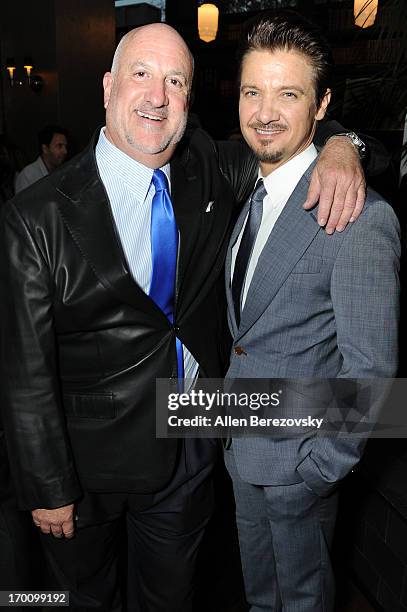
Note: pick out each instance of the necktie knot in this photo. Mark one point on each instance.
(259, 193)
(159, 180)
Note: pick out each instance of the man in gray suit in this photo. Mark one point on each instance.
(301, 304)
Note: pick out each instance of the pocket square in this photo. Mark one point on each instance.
(210, 206)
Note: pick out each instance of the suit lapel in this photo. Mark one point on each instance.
(86, 212)
(185, 199)
(292, 234)
(203, 219)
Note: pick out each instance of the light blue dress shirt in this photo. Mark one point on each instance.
(130, 192)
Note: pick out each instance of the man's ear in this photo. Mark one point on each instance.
(107, 87)
(44, 149)
(324, 105)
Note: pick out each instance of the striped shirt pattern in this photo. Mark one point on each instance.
(130, 192)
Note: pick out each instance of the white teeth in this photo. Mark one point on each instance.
(146, 116)
(268, 132)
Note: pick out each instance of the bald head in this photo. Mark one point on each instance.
(153, 30)
(146, 94)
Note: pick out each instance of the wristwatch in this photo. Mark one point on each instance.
(356, 141)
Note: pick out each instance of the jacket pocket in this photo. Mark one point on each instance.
(308, 265)
(90, 405)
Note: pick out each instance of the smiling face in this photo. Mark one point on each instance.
(277, 106)
(147, 93)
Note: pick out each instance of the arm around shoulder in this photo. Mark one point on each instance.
(240, 166)
(376, 159)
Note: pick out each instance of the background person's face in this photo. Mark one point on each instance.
(277, 105)
(55, 153)
(146, 100)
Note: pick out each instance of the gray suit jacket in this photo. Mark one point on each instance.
(318, 306)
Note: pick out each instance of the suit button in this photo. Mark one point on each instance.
(239, 351)
(176, 328)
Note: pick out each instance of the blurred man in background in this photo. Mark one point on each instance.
(53, 146)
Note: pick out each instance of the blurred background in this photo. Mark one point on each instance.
(68, 45)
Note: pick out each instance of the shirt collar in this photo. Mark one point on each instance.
(42, 165)
(134, 174)
(281, 182)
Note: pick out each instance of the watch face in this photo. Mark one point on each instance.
(357, 142)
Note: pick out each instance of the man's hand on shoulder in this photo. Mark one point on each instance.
(58, 522)
(337, 184)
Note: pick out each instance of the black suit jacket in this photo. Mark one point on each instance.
(82, 344)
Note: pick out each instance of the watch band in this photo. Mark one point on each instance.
(356, 141)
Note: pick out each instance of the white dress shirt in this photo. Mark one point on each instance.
(30, 174)
(279, 185)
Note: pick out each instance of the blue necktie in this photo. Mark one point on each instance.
(246, 246)
(164, 249)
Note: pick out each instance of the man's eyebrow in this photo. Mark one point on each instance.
(177, 73)
(293, 87)
(141, 64)
(138, 64)
(247, 86)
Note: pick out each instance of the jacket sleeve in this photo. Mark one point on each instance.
(365, 297)
(33, 418)
(377, 158)
(240, 167)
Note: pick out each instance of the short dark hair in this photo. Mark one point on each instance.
(288, 30)
(45, 135)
